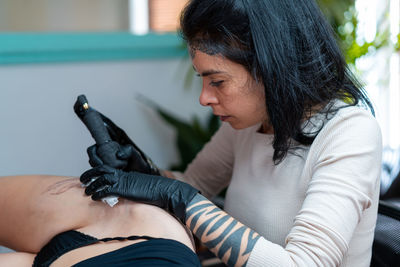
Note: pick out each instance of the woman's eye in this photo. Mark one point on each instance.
(216, 84)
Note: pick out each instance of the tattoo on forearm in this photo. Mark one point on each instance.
(226, 237)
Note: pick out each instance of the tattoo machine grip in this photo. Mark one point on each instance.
(106, 148)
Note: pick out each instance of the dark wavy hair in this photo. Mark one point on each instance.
(289, 46)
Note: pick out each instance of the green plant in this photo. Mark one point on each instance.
(353, 48)
(190, 136)
(342, 16)
(334, 10)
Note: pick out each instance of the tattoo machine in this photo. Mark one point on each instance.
(106, 148)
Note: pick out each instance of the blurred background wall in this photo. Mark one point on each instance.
(64, 15)
(40, 133)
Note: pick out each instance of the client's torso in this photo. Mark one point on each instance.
(62, 206)
(123, 220)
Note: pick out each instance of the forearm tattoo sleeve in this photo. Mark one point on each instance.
(227, 238)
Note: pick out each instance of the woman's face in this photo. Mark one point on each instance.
(230, 90)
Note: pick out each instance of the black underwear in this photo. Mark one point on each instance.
(155, 252)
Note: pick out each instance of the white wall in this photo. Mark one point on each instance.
(40, 133)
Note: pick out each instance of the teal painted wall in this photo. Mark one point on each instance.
(17, 48)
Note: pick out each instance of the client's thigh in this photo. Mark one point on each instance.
(31, 209)
(36, 208)
(16, 259)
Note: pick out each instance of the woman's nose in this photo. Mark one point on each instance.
(207, 96)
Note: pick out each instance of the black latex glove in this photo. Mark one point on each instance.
(169, 194)
(128, 151)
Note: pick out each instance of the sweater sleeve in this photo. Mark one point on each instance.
(343, 166)
(211, 170)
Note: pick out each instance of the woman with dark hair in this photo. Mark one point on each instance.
(299, 148)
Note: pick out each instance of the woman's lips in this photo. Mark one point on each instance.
(223, 118)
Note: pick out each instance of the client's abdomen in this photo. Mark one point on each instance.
(36, 208)
(125, 219)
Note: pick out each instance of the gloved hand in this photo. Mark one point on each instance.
(136, 159)
(169, 194)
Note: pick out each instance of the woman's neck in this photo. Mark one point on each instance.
(266, 128)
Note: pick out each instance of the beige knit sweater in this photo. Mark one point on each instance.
(316, 208)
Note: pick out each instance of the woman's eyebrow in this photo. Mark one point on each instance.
(208, 72)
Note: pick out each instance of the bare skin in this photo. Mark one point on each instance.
(36, 208)
(230, 91)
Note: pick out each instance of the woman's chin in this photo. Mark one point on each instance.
(236, 126)
(239, 126)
